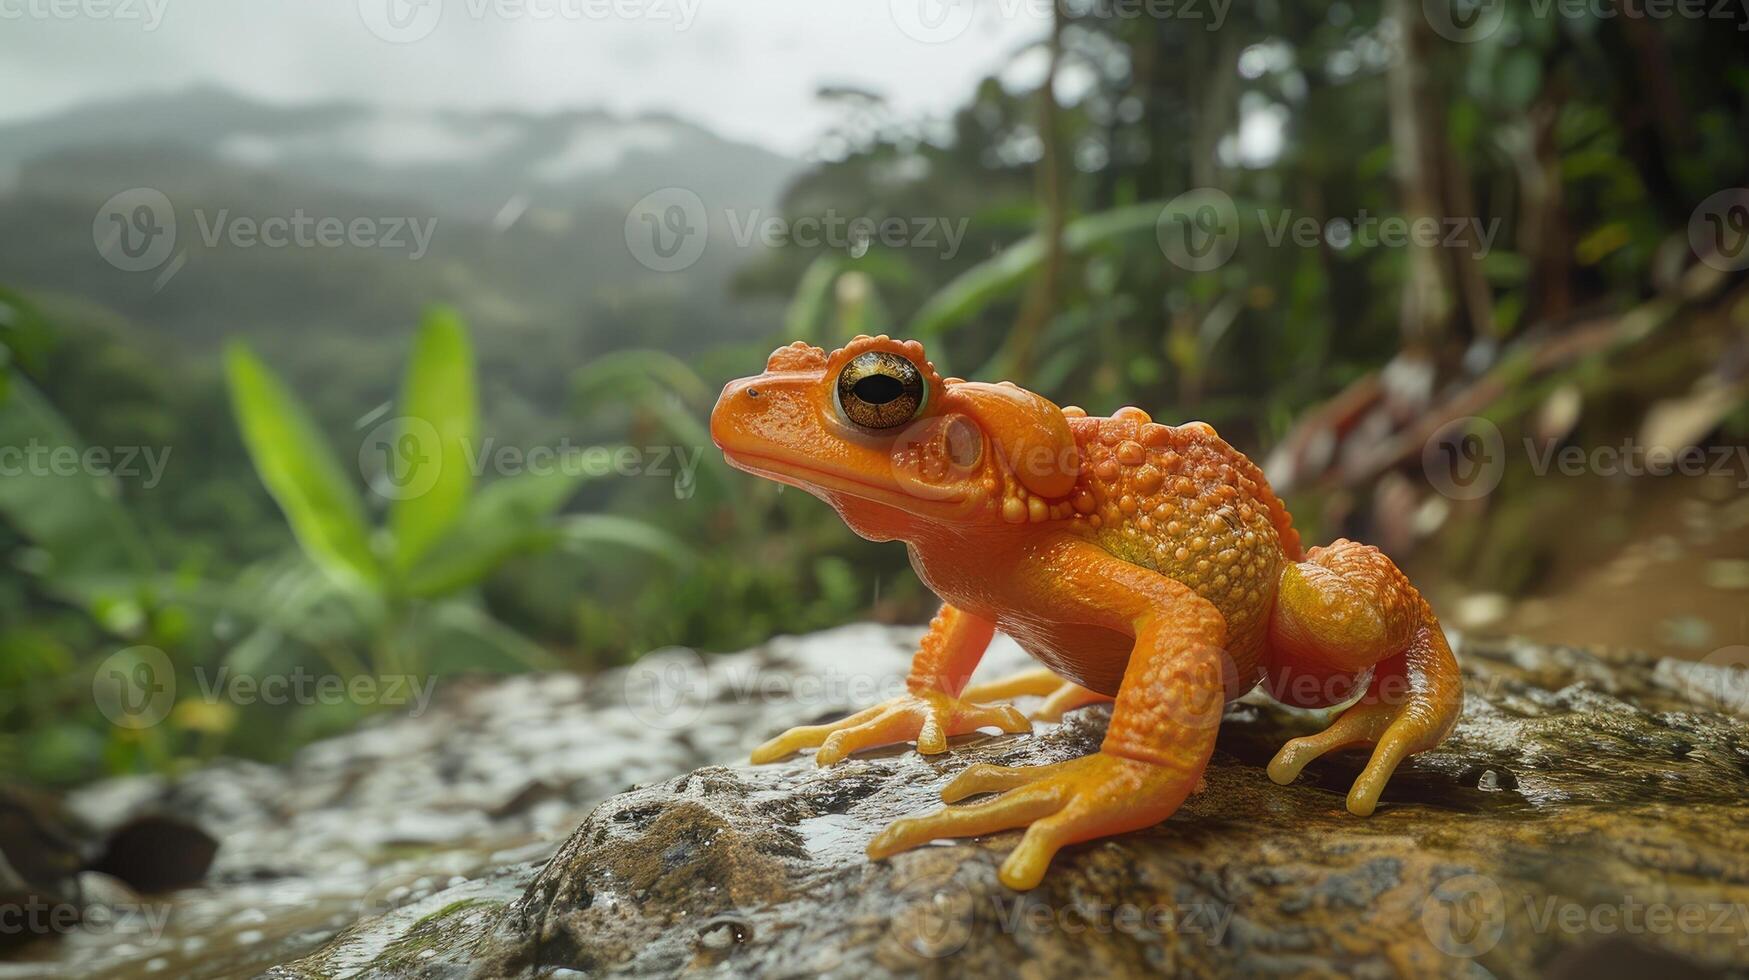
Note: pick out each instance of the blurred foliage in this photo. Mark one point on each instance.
(1582, 142)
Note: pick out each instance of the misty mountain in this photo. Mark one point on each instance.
(468, 163)
(520, 220)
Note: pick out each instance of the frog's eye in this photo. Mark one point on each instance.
(878, 390)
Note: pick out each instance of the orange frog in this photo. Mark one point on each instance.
(1143, 563)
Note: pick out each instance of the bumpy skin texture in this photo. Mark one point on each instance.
(1143, 563)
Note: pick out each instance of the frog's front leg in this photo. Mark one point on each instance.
(1162, 730)
(932, 711)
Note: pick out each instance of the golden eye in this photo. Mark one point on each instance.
(880, 391)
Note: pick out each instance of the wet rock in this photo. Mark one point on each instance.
(1587, 811)
(481, 786)
(157, 853)
(42, 849)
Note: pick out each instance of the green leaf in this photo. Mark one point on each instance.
(1005, 272)
(506, 518)
(439, 418)
(462, 621)
(299, 469)
(584, 533)
(634, 375)
(88, 549)
(806, 314)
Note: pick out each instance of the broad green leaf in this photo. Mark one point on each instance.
(584, 533)
(299, 469)
(87, 548)
(439, 418)
(506, 518)
(1004, 273)
(633, 375)
(285, 601)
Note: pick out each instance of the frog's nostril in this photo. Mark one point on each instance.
(752, 392)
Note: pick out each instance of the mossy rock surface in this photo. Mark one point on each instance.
(1586, 818)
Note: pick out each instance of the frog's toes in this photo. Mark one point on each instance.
(1059, 695)
(1395, 734)
(1060, 804)
(1010, 810)
(930, 719)
(988, 778)
(808, 736)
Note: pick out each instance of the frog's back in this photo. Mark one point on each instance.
(1181, 501)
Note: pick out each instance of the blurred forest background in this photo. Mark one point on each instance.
(1586, 139)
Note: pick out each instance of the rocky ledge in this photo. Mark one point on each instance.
(1585, 819)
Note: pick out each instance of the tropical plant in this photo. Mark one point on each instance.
(401, 597)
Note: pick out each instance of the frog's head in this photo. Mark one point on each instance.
(873, 430)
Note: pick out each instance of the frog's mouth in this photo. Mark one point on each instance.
(814, 479)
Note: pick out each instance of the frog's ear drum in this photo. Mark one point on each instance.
(1029, 432)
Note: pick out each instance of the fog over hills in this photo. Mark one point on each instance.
(519, 219)
(465, 162)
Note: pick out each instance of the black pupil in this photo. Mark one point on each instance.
(878, 389)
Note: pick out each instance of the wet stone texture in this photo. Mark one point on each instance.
(439, 809)
(1586, 819)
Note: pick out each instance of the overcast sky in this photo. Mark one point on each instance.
(745, 68)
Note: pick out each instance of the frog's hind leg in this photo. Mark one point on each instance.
(1060, 695)
(1343, 610)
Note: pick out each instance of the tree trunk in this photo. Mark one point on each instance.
(1416, 134)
